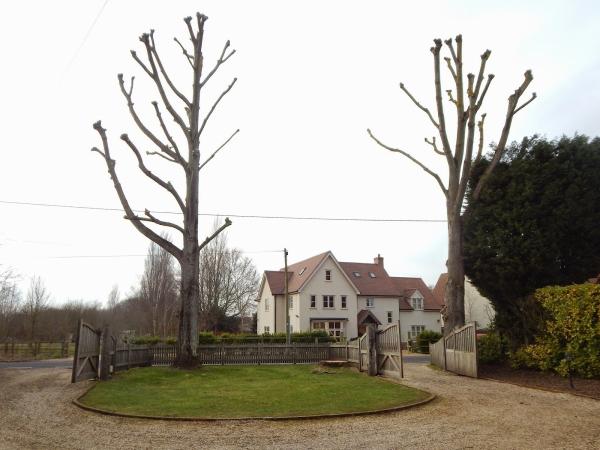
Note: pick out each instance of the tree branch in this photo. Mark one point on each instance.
(533, 97)
(217, 150)
(417, 162)
(450, 68)
(175, 155)
(190, 58)
(439, 104)
(485, 89)
(110, 163)
(215, 105)
(222, 59)
(188, 22)
(215, 234)
(164, 72)
(480, 147)
(165, 185)
(421, 107)
(162, 156)
(155, 220)
(434, 145)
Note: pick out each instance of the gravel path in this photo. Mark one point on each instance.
(35, 412)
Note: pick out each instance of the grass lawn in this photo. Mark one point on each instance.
(246, 391)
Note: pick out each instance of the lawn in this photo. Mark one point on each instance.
(246, 391)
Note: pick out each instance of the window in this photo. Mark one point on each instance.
(266, 304)
(328, 275)
(344, 305)
(390, 316)
(267, 329)
(291, 302)
(417, 303)
(356, 274)
(302, 271)
(313, 301)
(371, 274)
(334, 328)
(328, 301)
(370, 302)
(415, 330)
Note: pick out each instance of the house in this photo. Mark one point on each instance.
(478, 309)
(342, 298)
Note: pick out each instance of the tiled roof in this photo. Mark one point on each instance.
(306, 268)
(276, 281)
(408, 285)
(364, 314)
(380, 285)
(440, 288)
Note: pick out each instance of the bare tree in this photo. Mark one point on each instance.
(191, 126)
(228, 284)
(158, 290)
(460, 156)
(36, 301)
(10, 299)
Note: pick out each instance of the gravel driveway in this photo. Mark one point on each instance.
(35, 412)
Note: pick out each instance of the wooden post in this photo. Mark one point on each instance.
(76, 355)
(360, 369)
(105, 342)
(400, 349)
(128, 354)
(372, 350)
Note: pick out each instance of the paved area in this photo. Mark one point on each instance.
(36, 412)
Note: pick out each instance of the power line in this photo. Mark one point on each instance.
(86, 37)
(237, 216)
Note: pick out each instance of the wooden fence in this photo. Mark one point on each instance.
(87, 353)
(13, 350)
(457, 352)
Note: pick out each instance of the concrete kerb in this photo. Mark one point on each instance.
(429, 398)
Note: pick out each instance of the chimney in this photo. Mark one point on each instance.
(379, 260)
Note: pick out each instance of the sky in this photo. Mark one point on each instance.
(312, 77)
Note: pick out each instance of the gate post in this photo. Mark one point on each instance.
(372, 350)
(76, 355)
(105, 341)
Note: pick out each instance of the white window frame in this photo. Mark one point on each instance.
(328, 302)
(390, 316)
(266, 329)
(327, 274)
(415, 330)
(313, 302)
(344, 302)
(326, 325)
(267, 304)
(370, 302)
(417, 303)
(291, 302)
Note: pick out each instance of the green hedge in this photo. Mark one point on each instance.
(424, 339)
(208, 338)
(491, 348)
(570, 336)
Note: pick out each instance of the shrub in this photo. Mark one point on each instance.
(491, 348)
(570, 336)
(425, 338)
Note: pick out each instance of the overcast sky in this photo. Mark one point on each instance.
(313, 75)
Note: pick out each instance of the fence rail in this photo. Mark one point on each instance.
(19, 350)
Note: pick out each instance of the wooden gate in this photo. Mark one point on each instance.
(87, 353)
(389, 351)
(457, 352)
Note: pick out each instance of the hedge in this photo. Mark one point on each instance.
(208, 338)
(570, 336)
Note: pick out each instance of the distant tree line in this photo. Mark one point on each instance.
(228, 285)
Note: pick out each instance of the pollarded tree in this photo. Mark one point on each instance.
(460, 156)
(186, 155)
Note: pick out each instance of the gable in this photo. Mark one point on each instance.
(316, 281)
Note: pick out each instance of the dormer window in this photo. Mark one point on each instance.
(417, 303)
(328, 275)
(356, 274)
(302, 271)
(371, 274)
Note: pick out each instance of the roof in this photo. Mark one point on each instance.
(440, 288)
(380, 285)
(407, 287)
(365, 314)
(276, 281)
(306, 268)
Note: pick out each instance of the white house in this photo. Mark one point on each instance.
(341, 298)
(478, 308)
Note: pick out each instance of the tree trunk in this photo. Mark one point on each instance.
(455, 287)
(187, 351)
